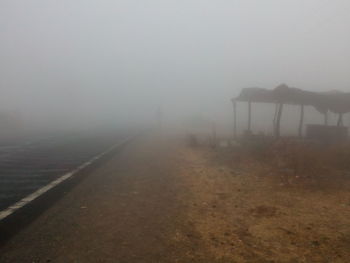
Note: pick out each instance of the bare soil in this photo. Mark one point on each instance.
(161, 201)
(245, 214)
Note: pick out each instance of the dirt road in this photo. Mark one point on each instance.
(160, 201)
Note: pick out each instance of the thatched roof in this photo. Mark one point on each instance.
(335, 101)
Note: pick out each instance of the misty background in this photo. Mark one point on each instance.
(92, 63)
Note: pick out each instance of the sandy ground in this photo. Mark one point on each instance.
(160, 201)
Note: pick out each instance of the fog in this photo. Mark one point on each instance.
(89, 63)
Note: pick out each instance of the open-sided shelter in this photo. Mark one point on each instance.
(333, 101)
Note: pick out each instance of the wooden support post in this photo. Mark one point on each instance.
(326, 118)
(249, 116)
(340, 120)
(275, 118)
(234, 104)
(278, 120)
(301, 121)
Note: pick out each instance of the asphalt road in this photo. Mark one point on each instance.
(125, 211)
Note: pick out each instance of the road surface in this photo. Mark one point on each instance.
(125, 211)
(159, 201)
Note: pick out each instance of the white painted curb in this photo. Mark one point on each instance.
(26, 200)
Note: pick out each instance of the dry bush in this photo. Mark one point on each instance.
(340, 156)
(297, 161)
(292, 161)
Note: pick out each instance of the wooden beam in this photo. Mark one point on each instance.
(275, 118)
(301, 121)
(326, 118)
(249, 116)
(278, 120)
(340, 120)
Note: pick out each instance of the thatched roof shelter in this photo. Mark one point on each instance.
(334, 101)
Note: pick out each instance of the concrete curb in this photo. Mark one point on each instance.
(24, 211)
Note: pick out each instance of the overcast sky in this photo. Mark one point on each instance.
(121, 59)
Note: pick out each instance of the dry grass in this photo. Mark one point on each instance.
(294, 162)
(253, 203)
